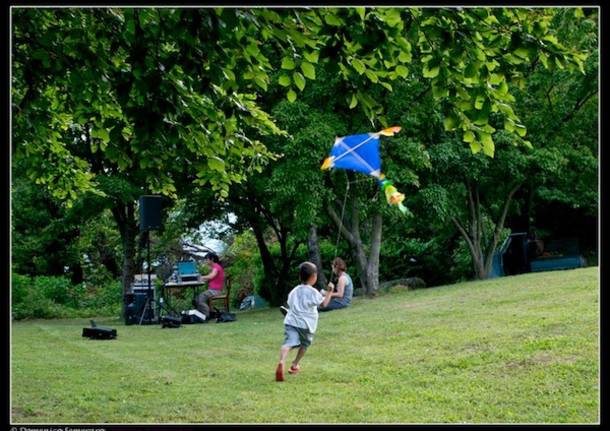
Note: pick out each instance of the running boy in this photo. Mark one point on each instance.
(302, 318)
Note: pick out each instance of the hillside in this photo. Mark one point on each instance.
(522, 349)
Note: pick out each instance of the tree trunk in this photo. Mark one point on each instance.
(287, 259)
(360, 260)
(141, 251)
(77, 276)
(482, 262)
(353, 238)
(281, 285)
(479, 269)
(372, 268)
(267, 291)
(367, 267)
(314, 256)
(125, 218)
(499, 226)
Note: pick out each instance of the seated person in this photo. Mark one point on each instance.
(341, 297)
(215, 279)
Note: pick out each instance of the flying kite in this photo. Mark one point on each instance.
(361, 153)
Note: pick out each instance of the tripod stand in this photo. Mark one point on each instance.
(148, 312)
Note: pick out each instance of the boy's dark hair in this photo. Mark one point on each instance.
(213, 257)
(306, 270)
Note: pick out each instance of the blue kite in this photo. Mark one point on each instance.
(361, 153)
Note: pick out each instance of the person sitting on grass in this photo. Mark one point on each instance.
(342, 296)
(301, 318)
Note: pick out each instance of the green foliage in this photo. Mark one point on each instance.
(45, 297)
(99, 246)
(470, 57)
(190, 103)
(461, 270)
(116, 101)
(244, 265)
(43, 234)
(294, 185)
(150, 92)
(562, 116)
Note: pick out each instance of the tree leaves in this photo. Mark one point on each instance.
(450, 122)
(402, 71)
(288, 63)
(291, 96)
(521, 130)
(479, 101)
(359, 66)
(430, 72)
(392, 17)
(371, 75)
(468, 136)
(261, 81)
(308, 70)
(353, 101)
(487, 143)
(311, 56)
(216, 164)
(299, 80)
(331, 19)
(101, 134)
(467, 55)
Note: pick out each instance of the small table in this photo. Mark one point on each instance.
(167, 289)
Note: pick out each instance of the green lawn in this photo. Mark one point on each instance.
(521, 349)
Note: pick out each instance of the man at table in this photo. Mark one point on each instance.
(215, 280)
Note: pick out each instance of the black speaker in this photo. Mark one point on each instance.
(99, 332)
(150, 212)
(131, 313)
(134, 307)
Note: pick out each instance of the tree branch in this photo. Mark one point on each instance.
(355, 225)
(266, 215)
(473, 217)
(499, 226)
(346, 233)
(294, 249)
(579, 103)
(465, 235)
(548, 97)
(481, 234)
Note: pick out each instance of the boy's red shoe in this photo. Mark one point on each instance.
(293, 369)
(279, 373)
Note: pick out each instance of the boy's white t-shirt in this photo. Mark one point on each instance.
(303, 303)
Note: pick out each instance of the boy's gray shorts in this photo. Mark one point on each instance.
(294, 336)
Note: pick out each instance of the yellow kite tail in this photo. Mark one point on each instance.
(390, 131)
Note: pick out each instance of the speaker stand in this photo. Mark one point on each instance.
(148, 312)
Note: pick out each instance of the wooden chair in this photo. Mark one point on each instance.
(224, 299)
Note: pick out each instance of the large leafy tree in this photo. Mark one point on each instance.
(559, 107)
(153, 99)
(562, 109)
(475, 193)
(122, 102)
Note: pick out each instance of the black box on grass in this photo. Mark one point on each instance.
(100, 333)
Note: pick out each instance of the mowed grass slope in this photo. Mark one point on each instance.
(521, 349)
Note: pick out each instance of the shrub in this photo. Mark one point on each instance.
(47, 297)
(19, 289)
(56, 289)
